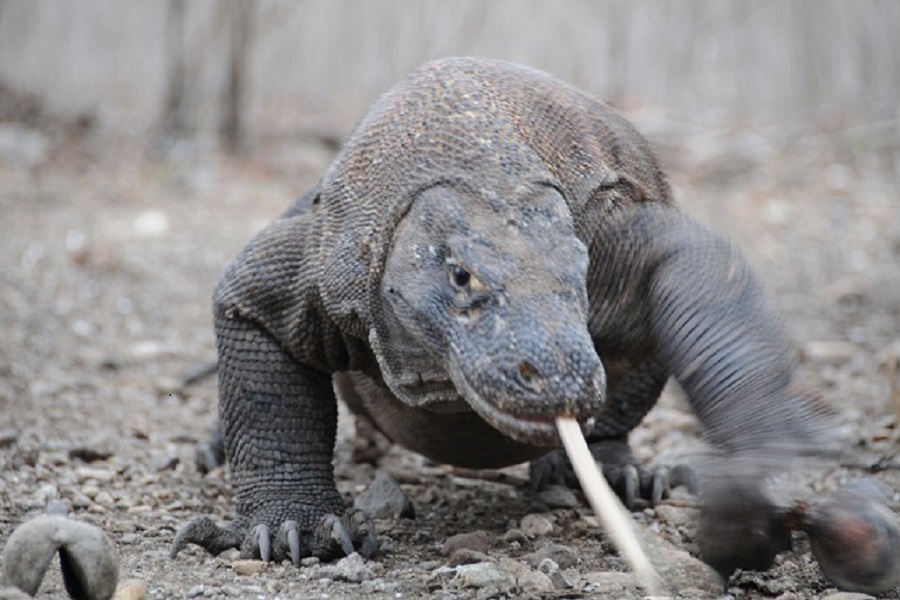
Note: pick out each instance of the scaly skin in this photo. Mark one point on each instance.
(491, 249)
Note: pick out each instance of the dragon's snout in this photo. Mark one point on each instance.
(545, 376)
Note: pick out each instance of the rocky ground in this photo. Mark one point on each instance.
(110, 250)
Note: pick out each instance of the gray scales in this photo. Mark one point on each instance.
(490, 249)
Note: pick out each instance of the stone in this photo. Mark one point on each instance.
(847, 596)
(465, 556)
(677, 567)
(473, 540)
(563, 556)
(535, 582)
(557, 496)
(548, 566)
(609, 583)
(515, 536)
(674, 515)
(484, 574)
(248, 567)
(385, 499)
(131, 589)
(536, 525)
(351, 568)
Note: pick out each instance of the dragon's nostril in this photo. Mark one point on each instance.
(528, 372)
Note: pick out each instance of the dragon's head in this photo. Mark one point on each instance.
(492, 284)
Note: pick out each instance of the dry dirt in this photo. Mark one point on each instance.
(110, 251)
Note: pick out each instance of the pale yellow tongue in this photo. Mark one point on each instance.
(613, 515)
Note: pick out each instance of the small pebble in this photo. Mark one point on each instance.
(84, 474)
(351, 568)
(385, 499)
(46, 493)
(475, 540)
(609, 583)
(535, 525)
(673, 515)
(104, 499)
(131, 589)
(230, 555)
(564, 579)
(548, 566)
(789, 596)
(515, 536)
(465, 556)
(535, 582)
(563, 556)
(847, 596)
(378, 586)
(557, 496)
(248, 567)
(484, 574)
(78, 499)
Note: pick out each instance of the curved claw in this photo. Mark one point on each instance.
(86, 555)
(362, 532)
(630, 485)
(288, 543)
(551, 469)
(659, 485)
(257, 544)
(330, 539)
(204, 532)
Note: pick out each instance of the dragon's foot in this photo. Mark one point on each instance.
(740, 527)
(86, 555)
(855, 537)
(630, 481)
(269, 539)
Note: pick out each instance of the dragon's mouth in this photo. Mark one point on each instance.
(536, 430)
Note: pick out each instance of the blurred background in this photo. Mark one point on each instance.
(243, 71)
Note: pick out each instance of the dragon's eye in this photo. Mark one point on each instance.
(459, 277)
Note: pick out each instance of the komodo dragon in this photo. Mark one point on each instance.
(490, 249)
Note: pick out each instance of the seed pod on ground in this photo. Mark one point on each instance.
(87, 556)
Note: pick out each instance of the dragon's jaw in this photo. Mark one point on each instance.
(537, 428)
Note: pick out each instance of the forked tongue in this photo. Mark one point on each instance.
(612, 514)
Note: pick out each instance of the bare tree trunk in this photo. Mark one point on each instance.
(230, 126)
(174, 117)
